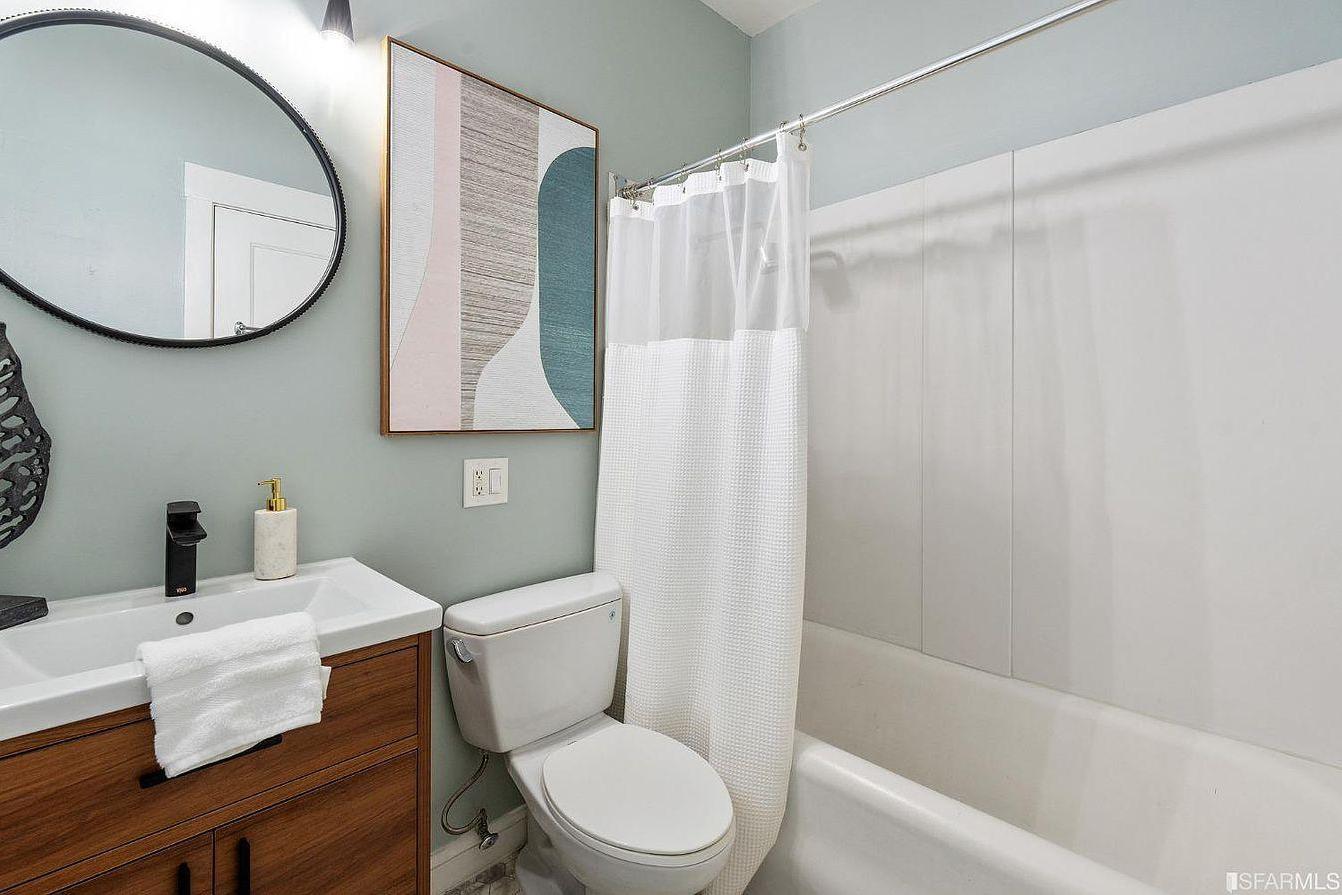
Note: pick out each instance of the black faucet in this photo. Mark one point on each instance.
(179, 560)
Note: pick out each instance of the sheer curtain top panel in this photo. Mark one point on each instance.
(713, 256)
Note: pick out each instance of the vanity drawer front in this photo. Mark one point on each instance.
(184, 869)
(79, 798)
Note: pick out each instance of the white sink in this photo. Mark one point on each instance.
(79, 661)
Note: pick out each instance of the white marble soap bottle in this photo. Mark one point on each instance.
(275, 548)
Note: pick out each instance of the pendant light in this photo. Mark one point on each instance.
(338, 24)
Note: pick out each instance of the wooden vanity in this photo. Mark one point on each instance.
(340, 807)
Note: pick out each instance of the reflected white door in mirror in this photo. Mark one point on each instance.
(251, 246)
(156, 189)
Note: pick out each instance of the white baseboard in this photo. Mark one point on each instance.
(461, 859)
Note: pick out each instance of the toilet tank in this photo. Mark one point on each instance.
(526, 663)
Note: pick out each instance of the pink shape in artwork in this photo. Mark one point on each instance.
(426, 375)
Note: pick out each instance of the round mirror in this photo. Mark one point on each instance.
(153, 188)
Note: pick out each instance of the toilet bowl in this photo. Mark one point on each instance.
(625, 811)
(614, 809)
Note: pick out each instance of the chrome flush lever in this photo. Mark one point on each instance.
(459, 647)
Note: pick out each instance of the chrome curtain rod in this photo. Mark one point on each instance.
(867, 96)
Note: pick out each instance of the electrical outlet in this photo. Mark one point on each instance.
(484, 482)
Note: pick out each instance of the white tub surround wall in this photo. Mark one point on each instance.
(966, 414)
(1076, 414)
(864, 528)
(1167, 805)
(1178, 387)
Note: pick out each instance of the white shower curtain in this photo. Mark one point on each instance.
(701, 513)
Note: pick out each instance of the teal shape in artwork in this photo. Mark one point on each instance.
(566, 245)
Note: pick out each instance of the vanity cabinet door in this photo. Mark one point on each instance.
(185, 869)
(358, 835)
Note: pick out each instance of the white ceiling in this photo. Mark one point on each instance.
(753, 16)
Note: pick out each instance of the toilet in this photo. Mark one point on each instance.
(614, 809)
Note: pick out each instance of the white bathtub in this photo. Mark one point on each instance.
(930, 777)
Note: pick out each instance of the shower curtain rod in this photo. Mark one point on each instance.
(800, 124)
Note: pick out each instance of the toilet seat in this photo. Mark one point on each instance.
(637, 791)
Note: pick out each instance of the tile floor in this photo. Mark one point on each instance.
(501, 879)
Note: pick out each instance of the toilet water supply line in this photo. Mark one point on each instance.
(479, 823)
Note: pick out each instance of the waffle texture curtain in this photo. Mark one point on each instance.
(701, 513)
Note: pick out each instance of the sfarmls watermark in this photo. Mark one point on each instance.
(1283, 881)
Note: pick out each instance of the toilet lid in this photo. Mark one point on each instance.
(638, 790)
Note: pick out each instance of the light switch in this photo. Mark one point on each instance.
(484, 482)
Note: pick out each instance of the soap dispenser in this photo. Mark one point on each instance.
(275, 548)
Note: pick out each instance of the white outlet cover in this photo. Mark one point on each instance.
(473, 470)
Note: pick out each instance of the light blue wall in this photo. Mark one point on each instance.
(134, 427)
(1127, 58)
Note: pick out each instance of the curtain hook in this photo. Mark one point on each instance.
(801, 134)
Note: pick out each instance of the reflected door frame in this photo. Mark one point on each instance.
(207, 189)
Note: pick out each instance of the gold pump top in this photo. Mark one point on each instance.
(276, 502)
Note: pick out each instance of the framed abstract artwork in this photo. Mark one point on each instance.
(488, 256)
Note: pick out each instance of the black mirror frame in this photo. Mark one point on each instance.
(28, 21)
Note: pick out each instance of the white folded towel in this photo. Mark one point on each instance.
(220, 692)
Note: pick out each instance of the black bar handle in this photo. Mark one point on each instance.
(244, 867)
(184, 879)
(159, 777)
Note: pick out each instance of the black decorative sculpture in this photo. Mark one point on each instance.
(25, 450)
